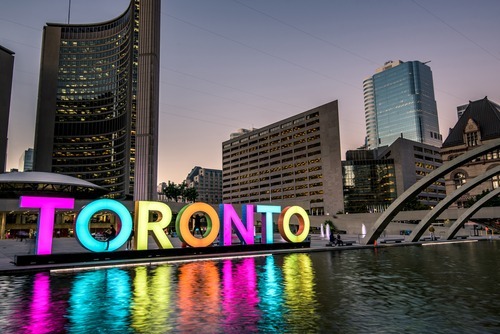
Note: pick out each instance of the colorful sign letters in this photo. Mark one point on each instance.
(220, 224)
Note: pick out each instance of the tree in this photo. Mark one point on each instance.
(473, 199)
(329, 223)
(171, 191)
(191, 194)
(413, 205)
(181, 189)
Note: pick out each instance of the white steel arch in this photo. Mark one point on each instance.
(415, 189)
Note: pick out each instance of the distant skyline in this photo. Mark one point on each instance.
(230, 64)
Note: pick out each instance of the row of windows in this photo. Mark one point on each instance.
(96, 47)
(265, 177)
(300, 160)
(92, 31)
(493, 155)
(419, 164)
(427, 158)
(263, 170)
(256, 197)
(274, 155)
(246, 185)
(72, 82)
(276, 128)
(285, 141)
(270, 157)
(95, 58)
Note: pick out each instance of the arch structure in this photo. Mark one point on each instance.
(415, 189)
(450, 199)
(469, 213)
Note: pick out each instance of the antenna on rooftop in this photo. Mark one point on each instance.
(426, 62)
(69, 11)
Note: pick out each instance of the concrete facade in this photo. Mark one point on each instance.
(412, 162)
(295, 161)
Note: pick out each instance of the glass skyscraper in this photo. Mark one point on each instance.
(97, 115)
(399, 102)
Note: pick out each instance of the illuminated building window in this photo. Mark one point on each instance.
(459, 179)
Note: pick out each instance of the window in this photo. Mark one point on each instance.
(459, 179)
(472, 138)
(495, 180)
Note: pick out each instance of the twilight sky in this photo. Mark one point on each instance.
(230, 64)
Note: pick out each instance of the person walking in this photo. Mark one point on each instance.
(431, 232)
(197, 225)
(110, 234)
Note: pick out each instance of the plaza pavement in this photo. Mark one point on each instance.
(10, 248)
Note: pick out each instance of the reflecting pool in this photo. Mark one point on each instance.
(450, 288)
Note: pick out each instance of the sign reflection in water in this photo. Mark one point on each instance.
(151, 304)
(198, 297)
(439, 289)
(100, 298)
(44, 317)
(212, 296)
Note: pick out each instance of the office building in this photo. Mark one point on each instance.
(399, 103)
(413, 161)
(479, 124)
(6, 70)
(208, 184)
(97, 116)
(26, 161)
(373, 179)
(369, 184)
(295, 161)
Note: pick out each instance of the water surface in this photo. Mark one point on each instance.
(449, 288)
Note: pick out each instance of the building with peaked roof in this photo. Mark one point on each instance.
(479, 123)
(399, 103)
(6, 70)
(97, 116)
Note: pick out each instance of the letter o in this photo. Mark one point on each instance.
(182, 225)
(284, 224)
(86, 239)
